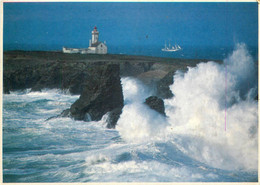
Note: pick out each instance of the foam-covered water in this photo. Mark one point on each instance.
(209, 134)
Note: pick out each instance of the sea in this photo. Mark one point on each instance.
(209, 134)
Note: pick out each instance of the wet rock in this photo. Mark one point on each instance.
(156, 104)
(163, 89)
(6, 91)
(102, 94)
(113, 117)
(65, 113)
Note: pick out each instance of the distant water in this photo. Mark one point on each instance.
(188, 52)
(190, 145)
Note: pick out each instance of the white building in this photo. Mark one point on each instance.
(95, 47)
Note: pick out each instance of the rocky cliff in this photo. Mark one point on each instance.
(39, 69)
(102, 93)
(95, 77)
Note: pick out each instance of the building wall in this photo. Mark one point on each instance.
(70, 50)
(91, 50)
(75, 50)
(101, 49)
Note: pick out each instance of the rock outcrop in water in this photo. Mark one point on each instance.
(113, 117)
(156, 104)
(101, 94)
(163, 89)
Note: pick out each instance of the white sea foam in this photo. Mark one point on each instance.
(48, 94)
(144, 171)
(212, 117)
(209, 98)
(134, 90)
(96, 159)
(138, 122)
(186, 146)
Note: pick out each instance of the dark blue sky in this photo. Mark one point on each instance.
(52, 25)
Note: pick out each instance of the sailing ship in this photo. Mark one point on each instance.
(170, 48)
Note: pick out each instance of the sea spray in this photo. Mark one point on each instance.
(241, 67)
(203, 96)
(138, 122)
(134, 90)
(207, 99)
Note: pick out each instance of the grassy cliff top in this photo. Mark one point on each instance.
(59, 56)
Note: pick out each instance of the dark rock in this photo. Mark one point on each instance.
(151, 77)
(6, 91)
(134, 68)
(42, 69)
(113, 117)
(65, 113)
(40, 74)
(156, 104)
(163, 89)
(50, 118)
(102, 93)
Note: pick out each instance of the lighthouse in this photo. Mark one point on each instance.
(95, 46)
(95, 34)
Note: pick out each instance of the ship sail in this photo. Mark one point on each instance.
(176, 47)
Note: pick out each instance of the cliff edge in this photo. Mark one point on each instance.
(95, 77)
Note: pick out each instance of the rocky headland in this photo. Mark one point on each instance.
(95, 77)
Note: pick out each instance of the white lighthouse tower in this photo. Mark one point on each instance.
(95, 34)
